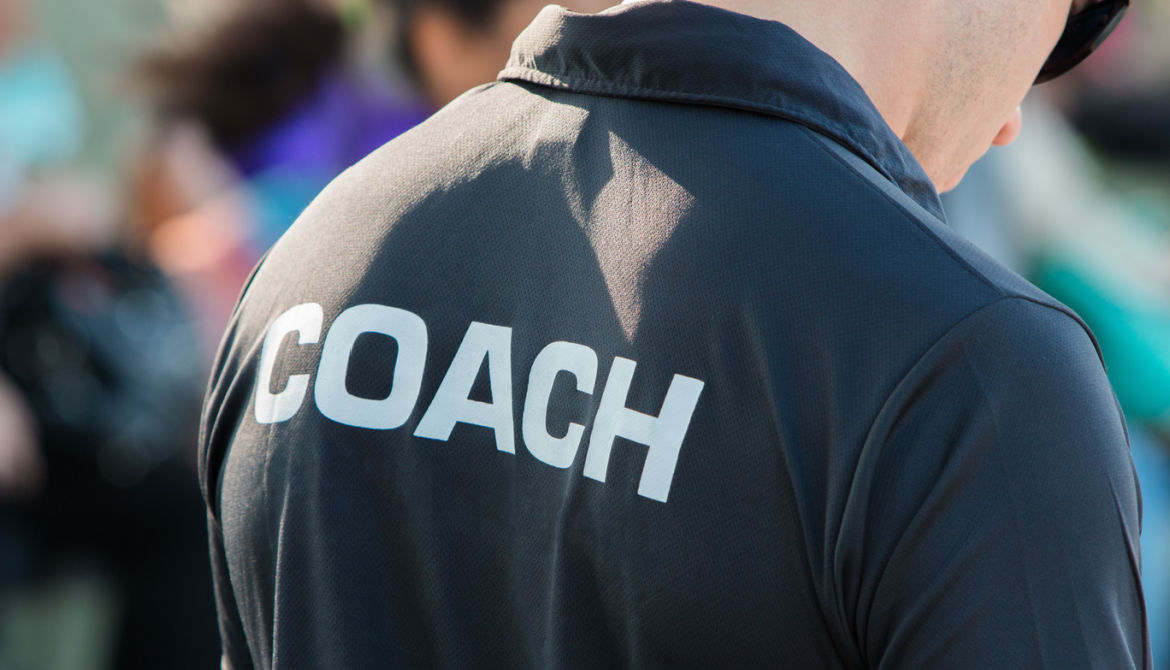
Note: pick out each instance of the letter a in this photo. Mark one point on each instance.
(452, 403)
(663, 434)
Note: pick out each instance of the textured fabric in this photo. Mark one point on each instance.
(654, 354)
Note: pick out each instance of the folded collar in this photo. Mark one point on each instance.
(679, 51)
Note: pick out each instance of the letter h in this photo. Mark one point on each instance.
(662, 434)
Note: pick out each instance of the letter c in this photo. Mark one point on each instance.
(305, 319)
(579, 361)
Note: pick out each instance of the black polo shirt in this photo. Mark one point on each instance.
(657, 353)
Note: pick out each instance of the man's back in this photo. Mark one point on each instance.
(602, 366)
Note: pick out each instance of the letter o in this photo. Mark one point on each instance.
(336, 402)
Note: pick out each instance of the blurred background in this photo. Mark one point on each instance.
(152, 150)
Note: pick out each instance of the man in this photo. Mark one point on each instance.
(657, 352)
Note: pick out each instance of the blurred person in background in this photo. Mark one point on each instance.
(44, 210)
(448, 46)
(101, 567)
(257, 106)
(40, 214)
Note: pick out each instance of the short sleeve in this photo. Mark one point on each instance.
(231, 630)
(994, 516)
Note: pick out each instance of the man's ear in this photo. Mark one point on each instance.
(1010, 130)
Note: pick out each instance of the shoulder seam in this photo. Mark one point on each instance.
(957, 324)
(887, 398)
(1065, 310)
(1001, 292)
(818, 139)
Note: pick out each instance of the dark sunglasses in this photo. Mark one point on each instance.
(1084, 32)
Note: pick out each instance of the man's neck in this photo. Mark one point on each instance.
(872, 41)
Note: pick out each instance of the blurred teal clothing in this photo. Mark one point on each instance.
(1132, 327)
(41, 120)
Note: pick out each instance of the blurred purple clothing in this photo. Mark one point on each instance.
(286, 166)
(341, 123)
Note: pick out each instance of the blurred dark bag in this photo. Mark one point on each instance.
(107, 356)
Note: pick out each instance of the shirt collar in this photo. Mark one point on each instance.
(682, 51)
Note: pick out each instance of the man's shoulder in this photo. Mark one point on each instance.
(932, 252)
